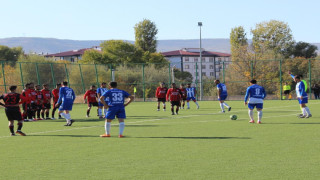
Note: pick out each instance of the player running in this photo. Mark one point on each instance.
(12, 109)
(302, 98)
(55, 94)
(256, 94)
(183, 95)
(222, 95)
(115, 106)
(91, 95)
(47, 95)
(65, 102)
(161, 95)
(191, 92)
(174, 95)
(102, 89)
(38, 102)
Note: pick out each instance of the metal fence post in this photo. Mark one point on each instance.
(97, 75)
(144, 84)
(251, 66)
(280, 74)
(83, 86)
(52, 74)
(110, 67)
(37, 71)
(21, 75)
(4, 78)
(309, 63)
(67, 74)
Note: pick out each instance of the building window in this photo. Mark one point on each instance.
(203, 59)
(186, 67)
(186, 59)
(211, 59)
(195, 59)
(211, 67)
(203, 66)
(211, 73)
(219, 59)
(204, 74)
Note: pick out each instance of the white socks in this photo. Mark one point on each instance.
(222, 107)
(100, 112)
(226, 105)
(188, 104)
(121, 128)
(107, 127)
(250, 112)
(259, 115)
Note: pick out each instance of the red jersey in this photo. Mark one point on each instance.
(183, 92)
(55, 94)
(161, 92)
(46, 94)
(12, 100)
(39, 97)
(33, 95)
(27, 96)
(175, 94)
(92, 96)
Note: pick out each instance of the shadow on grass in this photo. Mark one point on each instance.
(64, 135)
(196, 137)
(307, 123)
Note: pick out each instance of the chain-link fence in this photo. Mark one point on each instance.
(143, 79)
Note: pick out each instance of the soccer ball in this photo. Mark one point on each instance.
(233, 117)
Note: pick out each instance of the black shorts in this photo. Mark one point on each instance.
(46, 106)
(13, 114)
(161, 99)
(90, 104)
(184, 98)
(38, 106)
(286, 92)
(175, 103)
(33, 106)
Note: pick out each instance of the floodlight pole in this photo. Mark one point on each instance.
(201, 85)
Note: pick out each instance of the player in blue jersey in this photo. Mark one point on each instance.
(102, 89)
(222, 95)
(65, 102)
(302, 97)
(305, 86)
(191, 93)
(256, 94)
(115, 106)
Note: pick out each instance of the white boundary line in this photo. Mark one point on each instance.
(159, 119)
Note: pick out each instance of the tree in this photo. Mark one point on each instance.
(272, 36)
(145, 34)
(10, 54)
(93, 56)
(238, 40)
(303, 49)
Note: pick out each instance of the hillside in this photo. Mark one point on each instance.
(52, 45)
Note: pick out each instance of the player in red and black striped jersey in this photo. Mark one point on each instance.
(46, 106)
(55, 94)
(183, 95)
(38, 102)
(33, 105)
(174, 95)
(12, 101)
(161, 95)
(91, 97)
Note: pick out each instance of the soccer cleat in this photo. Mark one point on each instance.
(21, 133)
(176, 113)
(222, 112)
(100, 117)
(259, 122)
(252, 121)
(164, 109)
(172, 113)
(105, 135)
(67, 124)
(188, 107)
(53, 118)
(12, 134)
(158, 109)
(302, 116)
(229, 109)
(198, 107)
(87, 116)
(298, 115)
(121, 136)
(71, 122)
(47, 118)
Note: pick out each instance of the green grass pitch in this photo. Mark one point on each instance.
(196, 144)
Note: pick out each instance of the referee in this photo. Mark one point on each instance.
(286, 91)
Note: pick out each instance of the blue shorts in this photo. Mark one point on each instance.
(100, 104)
(192, 98)
(258, 106)
(223, 97)
(111, 114)
(65, 106)
(303, 101)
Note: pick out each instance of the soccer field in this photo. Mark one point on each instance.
(196, 144)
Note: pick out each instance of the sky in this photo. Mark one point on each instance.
(175, 19)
